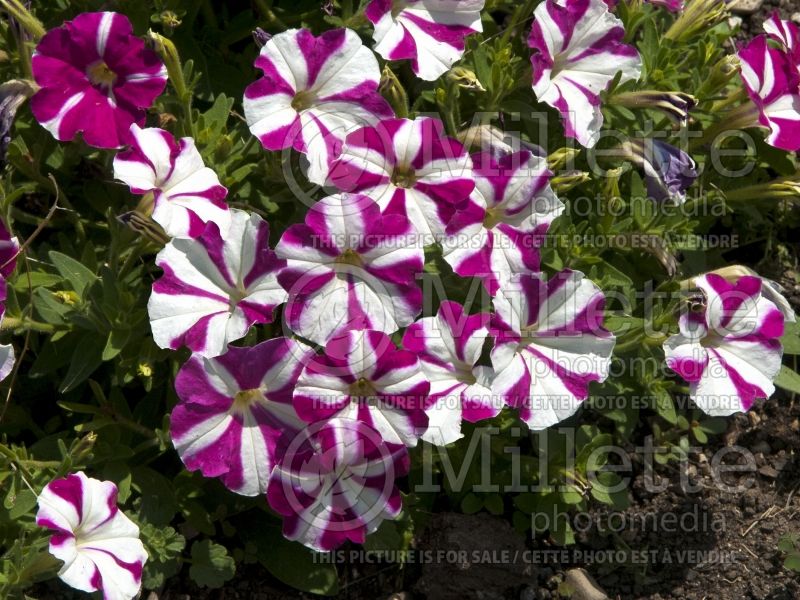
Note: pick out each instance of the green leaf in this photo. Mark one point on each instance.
(115, 343)
(87, 356)
(788, 380)
(791, 338)
(74, 272)
(471, 503)
(494, 504)
(292, 563)
(211, 564)
(792, 562)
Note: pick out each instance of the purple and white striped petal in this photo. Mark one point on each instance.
(99, 545)
(334, 482)
(430, 33)
(96, 77)
(186, 193)
(233, 410)
(212, 289)
(364, 377)
(729, 352)
(449, 346)
(772, 81)
(9, 250)
(409, 168)
(550, 345)
(499, 231)
(315, 90)
(349, 267)
(785, 32)
(577, 50)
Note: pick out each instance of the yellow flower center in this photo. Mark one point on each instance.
(244, 399)
(350, 257)
(404, 177)
(362, 389)
(493, 217)
(303, 100)
(100, 74)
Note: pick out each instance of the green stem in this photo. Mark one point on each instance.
(14, 323)
(23, 16)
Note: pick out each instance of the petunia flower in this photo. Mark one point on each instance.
(349, 267)
(363, 376)
(772, 82)
(430, 33)
(550, 345)
(233, 410)
(785, 32)
(577, 50)
(449, 346)
(409, 168)
(336, 482)
(99, 545)
(315, 90)
(214, 289)
(728, 349)
(9, 250)
(186, 193)
(96, 77)
(499, 230)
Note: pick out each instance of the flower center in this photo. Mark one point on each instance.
(362, 389)
(404, 177)
(99, 74)
(350, 257)
(244, 399)
(303, 100)
(493, 217)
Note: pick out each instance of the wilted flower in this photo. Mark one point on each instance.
(499, 230)
(187, 194)
(577, 51)
(12, 95)
(668, 170)
(96, 77)
(315, 90)
(214, 289)
(336, 482)
(99, 545)
(430, 33)
(550, 345)
(449, 346)
(233, 410)
(409, 168)
(728, 348)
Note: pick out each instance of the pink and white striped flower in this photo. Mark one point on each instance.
(214, 289)
(349, 267)
(772, 81)
(728, 349)
(577, 51)
(550, 345)
(409, 168)
(336, 482)
(498, 231)
(186, 193)
(315, 90)
(96, 77)
(9, 250)
(99, 545)
(449, 346)
(785, 32)
(363, 376)
(233, 410)
(430, 33)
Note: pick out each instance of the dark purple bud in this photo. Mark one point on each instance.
(668, 171)
(261, 37)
